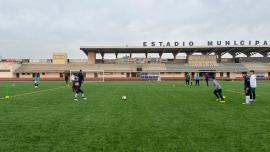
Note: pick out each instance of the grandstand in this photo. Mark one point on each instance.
(130, 68)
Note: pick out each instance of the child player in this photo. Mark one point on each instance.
(187, 78)
(36, 80)
(218, 90)
(246, 87)
(76, 87)
(197, 80)
(253, 85)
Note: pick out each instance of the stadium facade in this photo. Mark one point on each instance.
(129, 68)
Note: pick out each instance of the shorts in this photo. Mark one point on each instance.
(247, 91)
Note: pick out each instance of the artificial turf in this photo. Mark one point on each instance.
(157, 116)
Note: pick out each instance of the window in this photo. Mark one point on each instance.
(221, 74)
(5, 70)
(108, 73)
(139, 69)
(228, 74)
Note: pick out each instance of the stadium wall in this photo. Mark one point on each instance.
(124, 77)
(54, 69)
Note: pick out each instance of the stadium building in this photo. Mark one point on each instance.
(209, 61)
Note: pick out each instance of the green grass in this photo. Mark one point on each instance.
(157, 116)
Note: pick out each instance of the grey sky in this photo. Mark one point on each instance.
(36, 28)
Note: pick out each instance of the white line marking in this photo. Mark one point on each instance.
(28, 93)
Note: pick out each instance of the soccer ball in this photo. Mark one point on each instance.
(224, 97)
(124, 97)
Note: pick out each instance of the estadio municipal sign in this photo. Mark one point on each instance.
(207, 43)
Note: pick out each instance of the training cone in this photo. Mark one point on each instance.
(7, 97)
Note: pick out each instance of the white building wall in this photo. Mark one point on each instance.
(7, 69)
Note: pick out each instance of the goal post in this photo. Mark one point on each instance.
(89, 75)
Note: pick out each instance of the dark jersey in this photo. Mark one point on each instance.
(246, 82)
(206, 77)
(66, 77)
(76, 85)
(81, 77)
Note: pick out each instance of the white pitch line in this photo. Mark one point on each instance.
(236, 92)
(28, 93)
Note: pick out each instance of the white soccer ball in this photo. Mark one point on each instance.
(124, 97)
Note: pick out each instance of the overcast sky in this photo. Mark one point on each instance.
(36, 28)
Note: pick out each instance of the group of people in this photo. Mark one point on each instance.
(197, 79)
(217, 85)
(250, 84)
(77, 81)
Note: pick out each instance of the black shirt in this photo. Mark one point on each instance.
(247, 82)
(76, 85)
(81, 77)
(66, 77)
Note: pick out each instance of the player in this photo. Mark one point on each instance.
(197, 80)
(218, 90)
(246, 87)
(187, 78)
(206, 77)
(66, 78)
(253, 85)
(36, 80)
(72, 77)
(76, 87)
(81, 77)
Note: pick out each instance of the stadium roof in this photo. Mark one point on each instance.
(248, 50)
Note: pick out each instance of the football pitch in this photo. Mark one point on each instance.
(157, 116)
